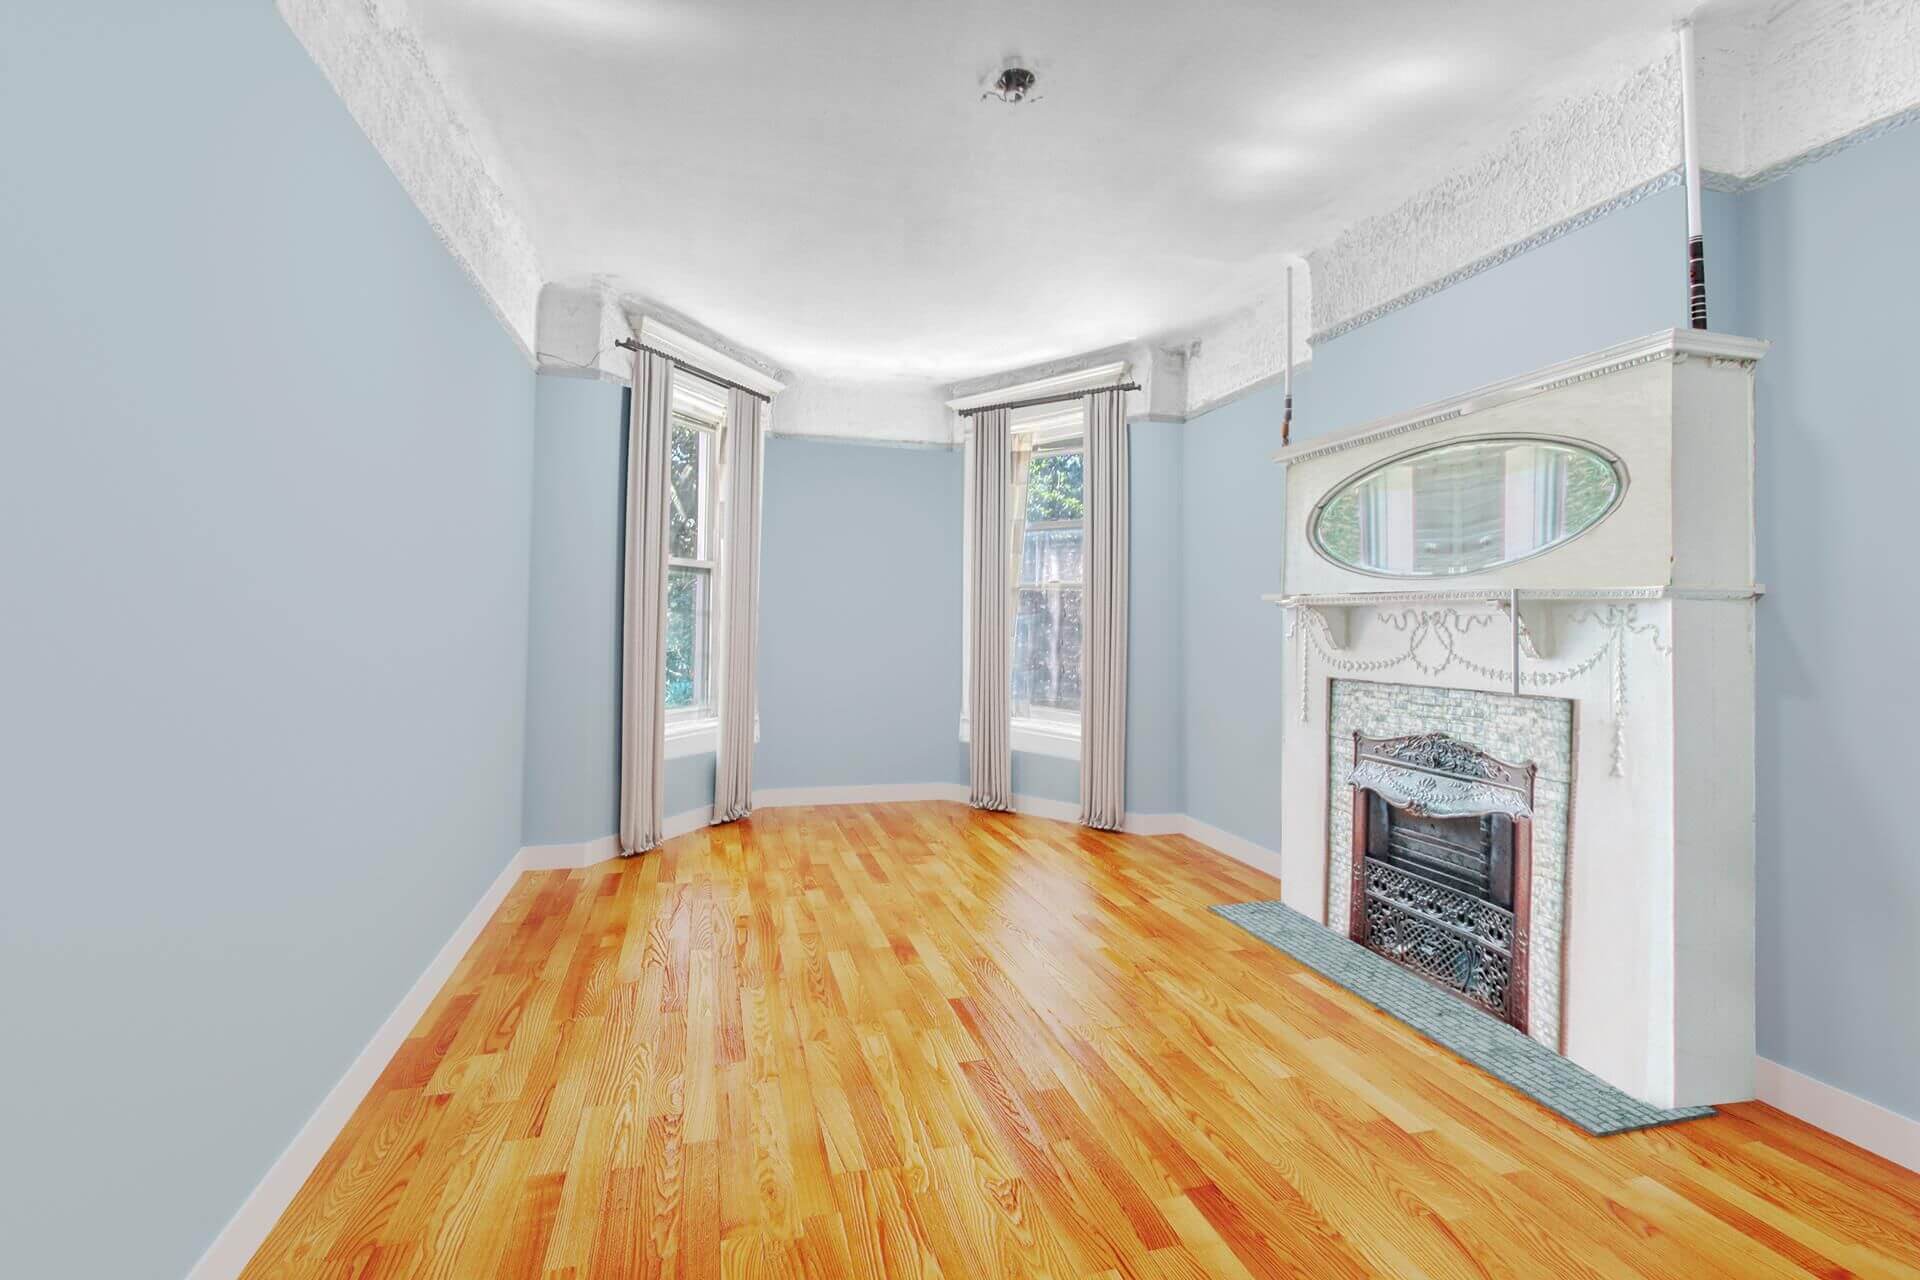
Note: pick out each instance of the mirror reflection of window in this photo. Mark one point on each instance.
(1466, 507)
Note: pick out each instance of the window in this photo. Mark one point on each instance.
(699, 409)
(1047, 517)
(1049, 503)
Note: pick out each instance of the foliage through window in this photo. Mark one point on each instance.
(1050, 503)
(692, 548)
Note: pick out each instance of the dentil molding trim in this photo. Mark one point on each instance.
(378, 68)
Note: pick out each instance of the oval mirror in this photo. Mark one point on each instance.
(1466, 506)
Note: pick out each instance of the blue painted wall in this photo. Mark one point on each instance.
(1617, 278)
(859, 621)
(1232, 525)
(573, 635)
(573, 639)
(1832, 267)
(264, 517)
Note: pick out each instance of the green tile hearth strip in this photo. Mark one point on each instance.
(1496, 1048)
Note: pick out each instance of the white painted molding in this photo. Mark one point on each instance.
(566, 857)
(1239, 848)
(696, 738)
(377, 66)
(662, 336)
(243, 1234)
(1089, 378)
(1036, 738)
(1497, 597)
(1865, 1124)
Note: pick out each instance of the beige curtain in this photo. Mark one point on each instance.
(990, 642)
(1103, 690)
(643, 661)
(745, 460)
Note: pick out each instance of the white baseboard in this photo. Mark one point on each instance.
(243, 1234)
(883, 793)
(565, 857)
(1239, 848)
(1824, 1106)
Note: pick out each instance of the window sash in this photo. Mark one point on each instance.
(704, 565)
(1043, 716)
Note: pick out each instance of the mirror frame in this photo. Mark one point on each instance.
(1606, 455)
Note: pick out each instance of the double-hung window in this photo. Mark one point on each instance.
(693, 560)
(1049, 509)
(1047, 515)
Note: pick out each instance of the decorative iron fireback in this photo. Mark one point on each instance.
(1441, 777)
(1442, 865)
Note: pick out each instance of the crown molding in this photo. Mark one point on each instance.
(377, 67)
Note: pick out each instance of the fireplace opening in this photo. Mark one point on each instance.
(1441, 874)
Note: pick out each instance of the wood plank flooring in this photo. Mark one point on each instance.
(917, 1041)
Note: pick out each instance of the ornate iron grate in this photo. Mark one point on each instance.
(1462, 942)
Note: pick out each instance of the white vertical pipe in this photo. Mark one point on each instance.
(1690, 159)
(1286, 416)
(1513, 617)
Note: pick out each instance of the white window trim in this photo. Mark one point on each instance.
(698, 737)
(1100, 375)
(1057, 738)
(680, 345)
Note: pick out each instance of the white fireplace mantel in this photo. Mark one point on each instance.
(1644, 625)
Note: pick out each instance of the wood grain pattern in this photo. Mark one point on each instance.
(918, 1041)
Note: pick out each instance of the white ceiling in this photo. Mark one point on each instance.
(822, 182)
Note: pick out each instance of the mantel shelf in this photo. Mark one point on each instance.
(1495, 596)
(1666, 344)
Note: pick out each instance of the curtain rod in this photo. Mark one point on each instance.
(633, 344)
(1059, 399)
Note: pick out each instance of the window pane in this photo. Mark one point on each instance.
(685, 459)
(1055, 485)
(1046, 665)
(688, 594)
(1052, 555)
(1046, 626)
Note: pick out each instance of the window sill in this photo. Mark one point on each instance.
(1040, 738)
(692, 738)
(698, 737)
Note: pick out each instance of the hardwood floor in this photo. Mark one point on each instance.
(912, 1040)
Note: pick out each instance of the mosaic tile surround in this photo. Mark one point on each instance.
(1515, 729)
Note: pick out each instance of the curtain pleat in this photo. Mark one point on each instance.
(1103, 691)
(643, 665)
(990, 660)
(740, 583)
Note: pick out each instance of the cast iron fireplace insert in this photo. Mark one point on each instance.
(1442, 872)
